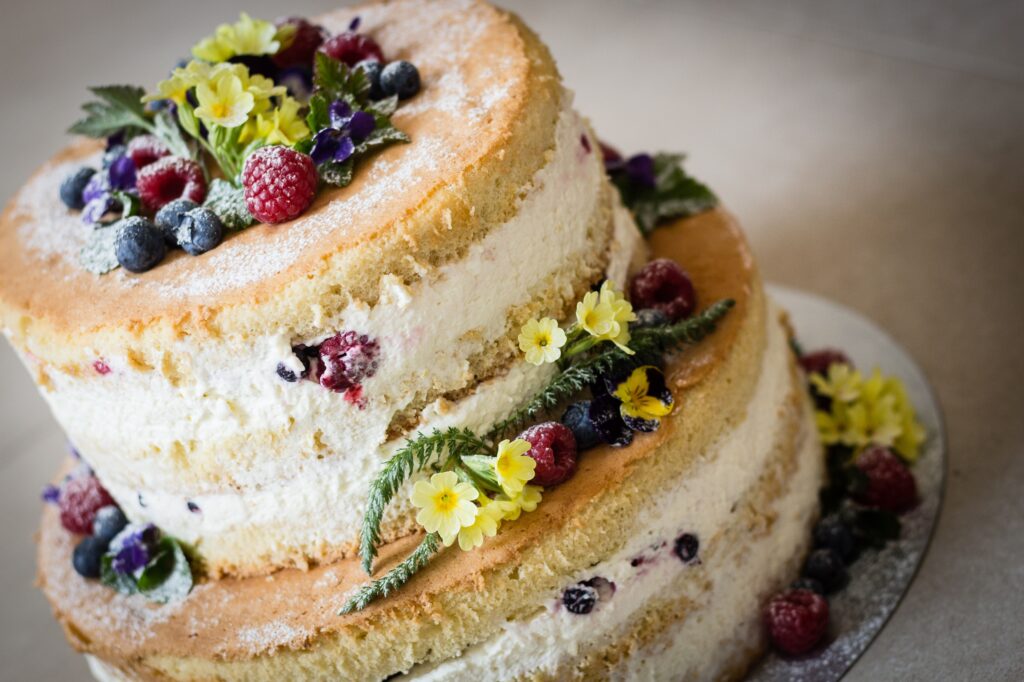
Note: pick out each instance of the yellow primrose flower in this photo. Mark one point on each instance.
(606, 315)
(624, 314)
(526, 501)
(512, 467)
(223, 101)
(280, 126)
(488, 518)
(445, 504)
(842, 382)
(541, 341)
(174, 88)
(644, 397)
(247, 36)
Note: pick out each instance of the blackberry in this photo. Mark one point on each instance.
(825, 566)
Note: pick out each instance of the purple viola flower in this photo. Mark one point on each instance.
(331, 145)
(98, 198)
(640, 170)
(133, 547)
(348, 128)
(51, 494)
(121, 173)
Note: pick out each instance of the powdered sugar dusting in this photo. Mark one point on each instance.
(259, 639)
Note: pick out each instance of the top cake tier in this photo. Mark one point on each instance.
(182, 386)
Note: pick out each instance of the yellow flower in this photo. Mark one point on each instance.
(606, 315)
(488, 518)
(223, 101)
(174, 88)
(541, 341)
(445, 504)
(280, 126)
(644, 401)
(525, 501)
(512, 467)
(623, 314)
(842, 382)
(247, 36)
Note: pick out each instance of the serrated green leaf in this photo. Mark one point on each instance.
(381, 137)
(383, 107)
(337, 174)
(167, 129)
(98, 256)
(228, 202)
(168, 576)
(336, 80)
(119, 108)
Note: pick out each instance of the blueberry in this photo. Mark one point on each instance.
(200, 230)
(832, 533)
(87, 555)
(110, 521)
(73, 186)
(650, 317)
(112, 154)
(686, 547)
(169, 217)
(580, 598)
(825, 566)
(287, 374)
(139, 245)
(577, 418)
(372, 68)
(400, 78)
(808, 584)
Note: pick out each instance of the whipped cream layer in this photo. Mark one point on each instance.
(702, 503)
(291, 462)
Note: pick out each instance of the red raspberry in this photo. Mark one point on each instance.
(351, 48)
(553, 447)
(280, 183)
(348, 358)
(170, 178)
(891, 486)
(308, 38)
(664, 286)
(796, 620)
(80, 499)
(609, 153)
(146, 149)
(818, 362)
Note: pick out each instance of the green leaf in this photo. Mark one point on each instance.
(119, 108)
(130, 204)
(481, 468)
(337, 174)
(168, 576)
(383, 108)
(187, 119)
(675, 194)
(318, 118)
(98, 256)
(381, 137)
(167, 129)
(228, 202)
(395, 578)
(335, 80)
(125, 584)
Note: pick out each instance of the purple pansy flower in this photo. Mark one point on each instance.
(348, 128)
(121, 173)
(134, 547)
(640, 170)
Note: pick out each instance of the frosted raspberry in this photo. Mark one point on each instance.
(280, 183)
(351, 48)
(796, 621)
(348, 359)
(80, 498)
(891, 486)
(308, 38)
(818, 362)
(170, 178)
(664, 286)
(553, 447)
(147, 149)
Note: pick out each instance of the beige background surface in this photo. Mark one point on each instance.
(873, 149)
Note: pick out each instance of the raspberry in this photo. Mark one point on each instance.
(664, 286)
(348, 358)
(351, 48)
(819, 361)
(609, 153)
(308, 38)
(891, 486)
(280, 183)
(553, 447)
(146, 149)
(80, 499)
(170, 178)
(796, 621)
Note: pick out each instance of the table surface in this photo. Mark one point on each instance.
(873, 150)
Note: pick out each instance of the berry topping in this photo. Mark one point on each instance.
(890, 486)
(686, 547)
(287, 374)
(580, 598)
(170, 178)
(51, 494)
(553, 447)
(808, 584)
(169, 218)
(80, 499)
(73, 186)
(577, 418)
(610, 154)
(832, 533)
(400, 78)
(139, 245)
(280, 183)
(372, 68)
(796, 621)
(101, 367)
(665, 286)
(199, 231)
(607, 419)
(650, 317)
(348, 358)
(351, 48)
(109, 521)
(825, 566)
(87, 557)
(146, 149)
(308, 39)
(193, 507)
(818, 362)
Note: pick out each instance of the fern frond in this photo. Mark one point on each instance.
(395, 578)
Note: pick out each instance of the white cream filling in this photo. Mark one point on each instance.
(423, 331)
(700, 503)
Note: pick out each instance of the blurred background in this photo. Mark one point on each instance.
(873, 150)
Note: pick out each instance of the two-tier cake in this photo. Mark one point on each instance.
(624, 465)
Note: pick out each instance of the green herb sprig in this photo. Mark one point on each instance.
(395, 578)
(674, 195)
(119, 109)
